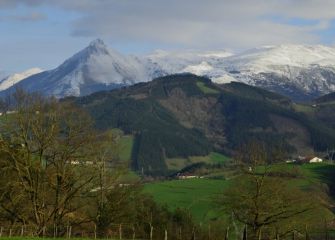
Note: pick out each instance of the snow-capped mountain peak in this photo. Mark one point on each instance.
(92, 69)
(11, 80)
(98, 46)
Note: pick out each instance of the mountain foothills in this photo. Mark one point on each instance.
(182, 116)
(299, 72)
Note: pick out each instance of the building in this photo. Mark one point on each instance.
(309, 159)
(315, 160)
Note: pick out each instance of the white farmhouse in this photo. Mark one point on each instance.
(315, 160)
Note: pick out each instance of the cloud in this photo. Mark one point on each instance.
(201, 24)
(30, 17)
(198, 23)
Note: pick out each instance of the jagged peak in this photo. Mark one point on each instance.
(98, 43)
(97, 46)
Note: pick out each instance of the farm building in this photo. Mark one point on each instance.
(310, 159)
(186, 176)
(315, 160)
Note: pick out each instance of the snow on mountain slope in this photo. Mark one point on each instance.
(297, 71)
(162, 62)
(92, 69)
(17, 77)
(266, 58)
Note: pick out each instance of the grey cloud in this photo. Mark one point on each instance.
(196, 23)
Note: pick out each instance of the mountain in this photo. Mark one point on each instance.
(13, 79)
(181, 116)
(161, 63)
(94, 68)
(299, 72)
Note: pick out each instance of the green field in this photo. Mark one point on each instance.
(206, 89)
(179, 163)
(197, 195)
(304, 108)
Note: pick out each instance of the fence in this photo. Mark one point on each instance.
(116, 231)
(127, 232)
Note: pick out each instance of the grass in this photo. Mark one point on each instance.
(196, 195)
(202, 86)
(218, 157)
(179, 163)
(304, 108)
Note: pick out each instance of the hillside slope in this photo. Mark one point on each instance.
(185, 115)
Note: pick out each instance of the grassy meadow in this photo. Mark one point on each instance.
(205, 89)
(198, 195)
(179, 163)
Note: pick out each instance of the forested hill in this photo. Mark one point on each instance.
(185, 115)
(326, 98)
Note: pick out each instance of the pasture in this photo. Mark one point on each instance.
(198, 195)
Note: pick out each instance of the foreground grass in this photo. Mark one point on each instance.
(196, 195)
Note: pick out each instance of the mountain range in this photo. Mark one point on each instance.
(297, 71)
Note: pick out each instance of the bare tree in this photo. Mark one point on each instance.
(47, 154)
(265, 201)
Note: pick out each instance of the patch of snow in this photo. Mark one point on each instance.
(224, 79)
(200, 69)
(17, 77)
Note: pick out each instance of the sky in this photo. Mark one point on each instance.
(43, 33)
